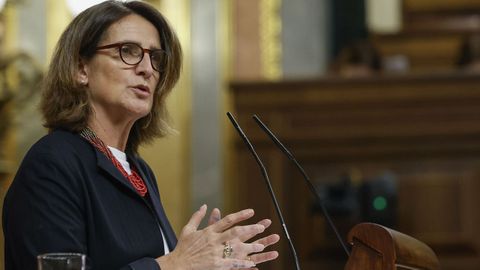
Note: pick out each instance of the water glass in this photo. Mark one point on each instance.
(61, 261)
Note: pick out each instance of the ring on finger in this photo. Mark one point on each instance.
(227, 250)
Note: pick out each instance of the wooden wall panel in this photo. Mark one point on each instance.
(440, 5)
(425, 130)
(423, 52)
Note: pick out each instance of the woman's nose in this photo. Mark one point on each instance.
(145, 66)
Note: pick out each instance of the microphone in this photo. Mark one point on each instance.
(307, 179)
(269, 186)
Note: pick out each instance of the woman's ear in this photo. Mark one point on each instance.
(82, 74)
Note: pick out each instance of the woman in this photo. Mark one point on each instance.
(83, 187)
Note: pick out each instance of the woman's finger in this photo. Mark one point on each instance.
(195, 220)
(215, 216)
(269, 240)
(264, 257)
(265, 222)
(239, 250)
(239, 231)
(231, 220)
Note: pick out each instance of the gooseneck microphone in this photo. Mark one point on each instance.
(305, 176)
(269, 186)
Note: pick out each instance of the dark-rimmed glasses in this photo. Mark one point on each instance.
(132, 54)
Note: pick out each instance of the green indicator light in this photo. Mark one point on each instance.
(379, 203)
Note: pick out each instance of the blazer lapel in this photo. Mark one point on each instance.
(157, 205)
(107, 165)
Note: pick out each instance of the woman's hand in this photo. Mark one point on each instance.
(205, 249)
(265, 241)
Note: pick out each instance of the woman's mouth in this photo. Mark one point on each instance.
(141, 90)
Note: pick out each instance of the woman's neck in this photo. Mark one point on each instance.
(112, 134)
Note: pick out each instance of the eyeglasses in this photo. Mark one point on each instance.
(132, 54)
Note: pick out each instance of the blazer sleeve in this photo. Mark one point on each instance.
(44, 211)
(142, 264)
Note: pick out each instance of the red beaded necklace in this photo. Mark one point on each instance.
(133, 178)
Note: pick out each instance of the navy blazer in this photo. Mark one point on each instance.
(69, 197)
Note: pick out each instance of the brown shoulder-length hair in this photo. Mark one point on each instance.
(65, 102)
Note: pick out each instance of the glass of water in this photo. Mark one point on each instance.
(61, 261)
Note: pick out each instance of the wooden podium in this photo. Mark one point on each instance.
(375, 247)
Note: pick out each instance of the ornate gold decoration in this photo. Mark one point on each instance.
(270, 38)
(20, 77)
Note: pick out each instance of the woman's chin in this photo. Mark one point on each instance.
(139, 111)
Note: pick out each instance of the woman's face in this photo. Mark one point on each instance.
(122, 92)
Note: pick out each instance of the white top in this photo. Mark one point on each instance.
(122, 158)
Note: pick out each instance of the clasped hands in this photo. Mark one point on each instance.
(221, 245)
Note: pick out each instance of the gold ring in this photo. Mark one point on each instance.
(227, 250)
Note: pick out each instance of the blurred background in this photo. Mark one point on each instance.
(379, 100)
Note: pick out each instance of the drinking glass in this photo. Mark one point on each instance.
(61, 261)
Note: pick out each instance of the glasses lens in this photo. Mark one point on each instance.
(131, 53)
(159, 59)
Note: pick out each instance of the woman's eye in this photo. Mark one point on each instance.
(130, 50)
